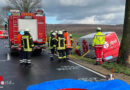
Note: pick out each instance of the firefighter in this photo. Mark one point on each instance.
(61, 46)
(27, 46)
(98, 42)
(52, 45)
(68, 44)
(19, 45)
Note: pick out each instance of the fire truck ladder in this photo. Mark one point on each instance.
(15, 29)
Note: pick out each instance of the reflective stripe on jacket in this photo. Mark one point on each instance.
(27, 43)
(99, 39)
(61, 43)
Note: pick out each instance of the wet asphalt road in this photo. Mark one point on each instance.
(18, 77)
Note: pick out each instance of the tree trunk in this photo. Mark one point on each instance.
(124, 52)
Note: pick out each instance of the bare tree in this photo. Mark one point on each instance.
(25, 5)
(124, 53)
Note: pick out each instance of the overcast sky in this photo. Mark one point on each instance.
(84, 11)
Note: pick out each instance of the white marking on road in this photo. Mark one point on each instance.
(8, 57)
(67, 68)
(88, 69)
(88, 79)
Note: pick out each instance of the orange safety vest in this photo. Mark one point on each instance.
(19, 40)
(68, 40)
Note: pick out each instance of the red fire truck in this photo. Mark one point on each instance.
(34, 21)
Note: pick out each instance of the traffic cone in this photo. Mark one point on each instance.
(2, 81)
(111, 77)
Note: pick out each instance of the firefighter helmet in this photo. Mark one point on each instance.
(99, 29)
(60, 32)
(27, 29)
(53, 34)
(70, 35)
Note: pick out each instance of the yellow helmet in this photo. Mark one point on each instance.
(53, 34)
(60, 32)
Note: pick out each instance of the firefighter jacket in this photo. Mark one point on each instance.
(99, 39)
(68, 40)
(61, 42)
(19, 40)
(52, 43)
(27, 43)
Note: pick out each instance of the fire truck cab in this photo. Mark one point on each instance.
(34, 21)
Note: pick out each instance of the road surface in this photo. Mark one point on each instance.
(18, 77)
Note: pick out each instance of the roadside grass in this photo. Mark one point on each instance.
(77, 35)
(107, 65)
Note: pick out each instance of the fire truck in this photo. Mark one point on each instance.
(20, 21)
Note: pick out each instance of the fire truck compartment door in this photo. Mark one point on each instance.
(30, 24)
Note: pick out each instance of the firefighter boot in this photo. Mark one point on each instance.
(29, 62)
(21, 61)
(65, 59)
